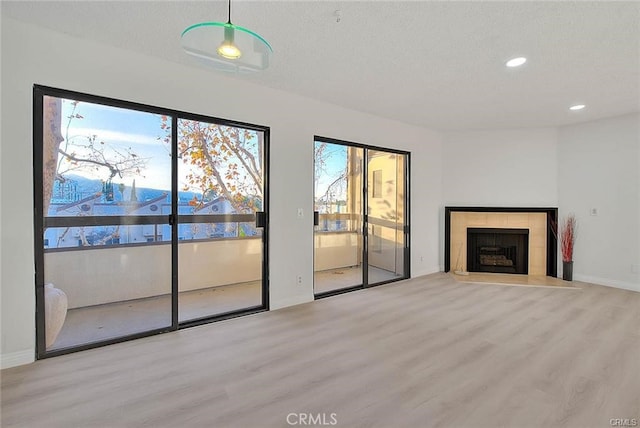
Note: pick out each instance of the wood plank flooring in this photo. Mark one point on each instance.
(428, 352)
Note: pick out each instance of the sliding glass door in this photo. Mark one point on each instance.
(220, 249)
(105, 245)
(386, 240)
(147, 220)
(358, 244)
(338, 217)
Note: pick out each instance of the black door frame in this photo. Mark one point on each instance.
(39, 92)
(182, 219)
(365, 220)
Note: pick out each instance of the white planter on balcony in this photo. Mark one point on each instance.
(55, 312)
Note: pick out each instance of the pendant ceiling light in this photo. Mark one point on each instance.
(226, 46)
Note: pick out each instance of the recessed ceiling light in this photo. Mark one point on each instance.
(577, 107)
(516, 62)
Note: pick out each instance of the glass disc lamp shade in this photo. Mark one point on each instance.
(226, 46)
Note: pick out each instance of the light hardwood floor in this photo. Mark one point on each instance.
(428, 352)
(101, 322)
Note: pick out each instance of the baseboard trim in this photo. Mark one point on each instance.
(428, 271)
(608, 282)
(13, 359)
(293, 301)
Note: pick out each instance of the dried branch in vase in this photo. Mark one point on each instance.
(568, 237)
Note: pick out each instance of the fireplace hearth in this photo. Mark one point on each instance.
(498, 250)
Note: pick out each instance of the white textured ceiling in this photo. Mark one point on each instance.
(433, 64)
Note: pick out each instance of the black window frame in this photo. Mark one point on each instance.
(40, 221)
(364, 232)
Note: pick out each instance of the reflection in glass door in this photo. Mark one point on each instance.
(353, 250)
(220, 251)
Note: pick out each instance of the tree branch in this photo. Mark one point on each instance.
(254, 175)
(114, 171)
(216, 174)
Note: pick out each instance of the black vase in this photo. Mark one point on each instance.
(567, 271)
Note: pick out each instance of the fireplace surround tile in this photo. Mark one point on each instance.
(536, 220)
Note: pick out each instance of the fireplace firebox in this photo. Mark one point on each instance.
(498, 250)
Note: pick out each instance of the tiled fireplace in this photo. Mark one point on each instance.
(501, 240)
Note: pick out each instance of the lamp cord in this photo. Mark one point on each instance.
(229, 20)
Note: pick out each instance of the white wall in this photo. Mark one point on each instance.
(499, 168)
(507, 168)
(599, 167)
(34, 55)
(576, 168)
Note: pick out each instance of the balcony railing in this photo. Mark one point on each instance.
(135, 267)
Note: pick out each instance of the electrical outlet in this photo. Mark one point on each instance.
(299, 279)
(300, 213)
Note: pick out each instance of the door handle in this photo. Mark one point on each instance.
(316, 218)
(261, 219)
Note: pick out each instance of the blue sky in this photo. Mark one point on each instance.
(335, 163)
(124, 128)
(121, 129)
